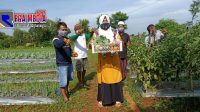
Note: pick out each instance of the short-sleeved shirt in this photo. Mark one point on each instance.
(158, 37)
(80, 45)
(125, 38)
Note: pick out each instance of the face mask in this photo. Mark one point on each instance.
(121, 29)
(62, 33)
(105, 26)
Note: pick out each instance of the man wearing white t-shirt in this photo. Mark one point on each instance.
(154, 36)
(80, 46)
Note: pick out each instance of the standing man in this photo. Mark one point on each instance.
(126, 43)
(63, 60)
(155, 36)
(80, 46)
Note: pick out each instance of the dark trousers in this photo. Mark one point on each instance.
(123, 64)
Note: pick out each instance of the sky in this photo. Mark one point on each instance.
(141, 12)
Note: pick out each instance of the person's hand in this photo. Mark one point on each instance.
(74, 54)
(90, 44)
(112, 53)
(95, 30)
(115, 31)
(67, 41)
(129, 44)
(92, 30)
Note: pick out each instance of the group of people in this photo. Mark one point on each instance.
(111, 68)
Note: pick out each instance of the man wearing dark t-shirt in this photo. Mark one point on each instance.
(123, 54)
(63, 60)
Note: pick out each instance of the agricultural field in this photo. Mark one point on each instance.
(173, 65)
(28, 53)
(173, 59)
(45, 84)
(163, 54)
(167, 74)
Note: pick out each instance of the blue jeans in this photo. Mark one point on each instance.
(65, 74)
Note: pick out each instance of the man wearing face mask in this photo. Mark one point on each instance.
(126, 43)
(154, 37)
(63, 60)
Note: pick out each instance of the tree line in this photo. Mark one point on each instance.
(42, 36)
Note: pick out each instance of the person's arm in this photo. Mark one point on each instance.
(60, 44)
(147, 41)
(129, 42)
(162, 36)
(57, 43)
(73, 37)
(67, 51)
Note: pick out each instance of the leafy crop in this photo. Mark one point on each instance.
(176, 55)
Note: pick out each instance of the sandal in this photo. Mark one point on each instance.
(100, 104)
(118, 104)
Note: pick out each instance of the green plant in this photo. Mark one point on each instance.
(175, 55)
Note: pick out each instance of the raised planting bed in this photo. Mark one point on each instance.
(27, 53)
(26, 100)
(26, 66)
(25, 78)
(47, 89)
(168, 89)
(34, 61)
(28, 72)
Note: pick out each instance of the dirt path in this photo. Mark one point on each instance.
(91, 97)
(132, 104)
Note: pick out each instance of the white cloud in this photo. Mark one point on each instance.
(73, 19)
(141, 13)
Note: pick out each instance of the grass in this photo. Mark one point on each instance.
(80, 100)
(76, 103)
(27, 67)
(28, 89)
(79, 97)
